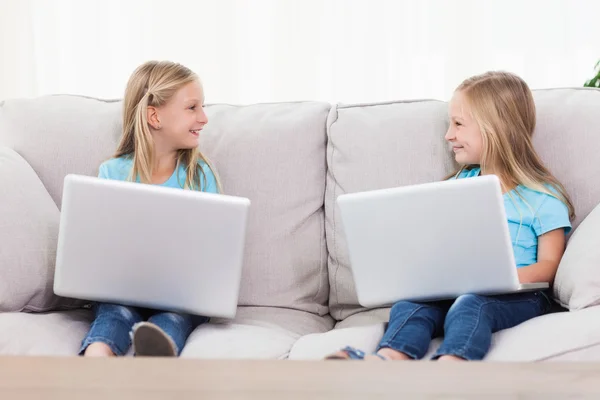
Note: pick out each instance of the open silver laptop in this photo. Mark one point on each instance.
(150, 246)
(431, 241)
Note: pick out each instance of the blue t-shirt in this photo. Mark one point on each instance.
(530, 214)
(120, 168)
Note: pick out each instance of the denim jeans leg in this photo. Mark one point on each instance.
(111, 326)
(412, 326)
(177, 326)
(472, 319)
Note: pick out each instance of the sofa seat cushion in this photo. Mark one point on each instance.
(362, 330)
(555, 335)
(44, 334)
(255, 333)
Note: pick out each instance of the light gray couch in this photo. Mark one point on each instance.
(292, 160)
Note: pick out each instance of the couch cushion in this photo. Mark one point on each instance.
(362, 330)
(543, 338)
(319, 345)
(373, 147)
(274, 154)
(61, 134)
(567, 137)
(577, 283)
(47, 334)
(548, 336)
(585, 354)
(29, 221)
(255, 333)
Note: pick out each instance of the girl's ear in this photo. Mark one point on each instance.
(152, 117)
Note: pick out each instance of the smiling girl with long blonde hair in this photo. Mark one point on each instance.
(492, 119)
(163, 116)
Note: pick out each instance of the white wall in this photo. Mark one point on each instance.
(17, 66)
(273, 50)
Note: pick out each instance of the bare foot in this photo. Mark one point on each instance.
(392, 354)
(98, 349)
(450, 358)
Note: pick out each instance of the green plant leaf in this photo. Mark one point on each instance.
(595, 81)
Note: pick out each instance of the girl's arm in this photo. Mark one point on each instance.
(551, 247)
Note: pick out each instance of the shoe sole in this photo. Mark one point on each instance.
(150, 341)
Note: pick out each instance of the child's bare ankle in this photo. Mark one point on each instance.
(392, 354)
(449, 357)
(98, 349)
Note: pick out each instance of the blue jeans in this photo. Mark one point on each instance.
(113, 324)
(467, 323)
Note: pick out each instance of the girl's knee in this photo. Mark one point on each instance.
(468, 301)
(403, 306)
(407, 309)
(175, 317)
(169, 318)
(117, 311)
(465, 306)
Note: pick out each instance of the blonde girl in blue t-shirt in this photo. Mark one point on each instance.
(492, 119)
(163, 116)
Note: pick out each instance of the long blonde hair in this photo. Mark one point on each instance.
(153, 84)
(502, 105)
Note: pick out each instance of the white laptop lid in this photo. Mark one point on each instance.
(430, 241)
(150, 246)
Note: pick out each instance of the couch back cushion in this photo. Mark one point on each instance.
(29, 222)
(61, 134)
(567, 137)
(377, 146)
(274, 154)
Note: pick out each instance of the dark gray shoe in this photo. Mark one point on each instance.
(151, 341)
